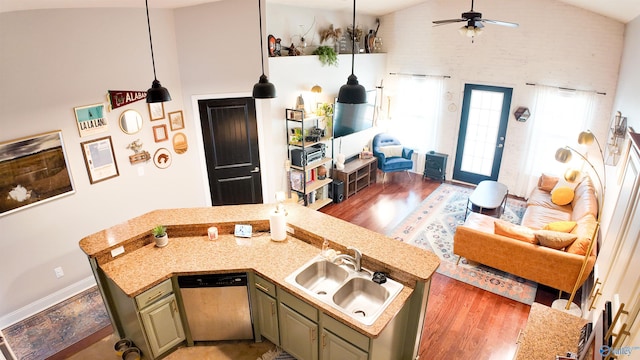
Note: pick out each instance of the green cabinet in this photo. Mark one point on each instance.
(268, 317)
(162, 325)
(334, 347)
(299, 335)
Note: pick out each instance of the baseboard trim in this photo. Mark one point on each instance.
(46, 302)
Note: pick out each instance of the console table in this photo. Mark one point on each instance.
(357, 175)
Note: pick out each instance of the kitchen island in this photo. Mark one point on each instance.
(127, 264)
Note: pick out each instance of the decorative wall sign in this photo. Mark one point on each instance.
(160, 133)
(156, 111)
(176, 120)
(118, 98)
(139, 155)
(180, 145)
(162, 158)
(90, 119)
(99, 159)
(33, 170)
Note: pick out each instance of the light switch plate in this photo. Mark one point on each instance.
(243, 231)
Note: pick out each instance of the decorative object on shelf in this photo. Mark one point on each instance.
(522, 114)
(91, 119)
(180, 145)
(617, 133)
(176, 121)
(162, 158)
(331, 34)
(27, 186)
(156, 111)
(118, 98)
(370, 39)
(355, 36)
(139, 155)
(271, 45)
(563, 155)
(474, 22)
(99, 159)
(278, 220)
(352, 92)
(130, 121)
(292, 50)
(157, 93)
(322, 172)
(263, 89)
(160, 133)
(300, 104)
(326, 55)
(160, 235)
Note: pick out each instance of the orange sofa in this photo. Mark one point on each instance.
(559, 269)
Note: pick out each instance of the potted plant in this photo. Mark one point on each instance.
(160, 234)
(327, 55)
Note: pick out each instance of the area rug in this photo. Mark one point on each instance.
(432, 225)
(58, 327)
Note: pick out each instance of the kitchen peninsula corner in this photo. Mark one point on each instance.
(123, 277)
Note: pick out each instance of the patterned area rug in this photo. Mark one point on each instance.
(432, 225)
(58, 327)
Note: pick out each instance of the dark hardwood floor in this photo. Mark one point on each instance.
(462, 321)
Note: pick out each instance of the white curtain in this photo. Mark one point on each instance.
(416, 110)
(557, 119)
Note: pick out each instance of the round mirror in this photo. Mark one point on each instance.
(130, 121)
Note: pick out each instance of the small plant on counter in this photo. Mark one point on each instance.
(159, 231)
(326, 55)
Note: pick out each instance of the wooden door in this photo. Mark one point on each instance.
(230, 136)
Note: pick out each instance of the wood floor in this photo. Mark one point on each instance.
(462, 321)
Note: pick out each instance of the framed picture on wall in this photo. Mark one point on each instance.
(160, 133)
(156, 111)
(99, 159)
(91, 119)
(176, 121)
(33, 170)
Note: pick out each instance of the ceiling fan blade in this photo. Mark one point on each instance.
(497, 22)
(450, 21)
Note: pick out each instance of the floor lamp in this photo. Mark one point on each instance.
(563, 155)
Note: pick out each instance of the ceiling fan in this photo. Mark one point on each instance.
(474, 22)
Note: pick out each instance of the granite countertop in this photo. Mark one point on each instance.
(548, 333)
(143, 265)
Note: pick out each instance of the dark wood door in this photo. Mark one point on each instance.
(230, 134)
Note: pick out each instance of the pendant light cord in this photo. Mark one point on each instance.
(153, 61)
(353, 40)
(261, 43)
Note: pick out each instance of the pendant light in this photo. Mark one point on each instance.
(157, 93)
(263, 89)
(352, 92)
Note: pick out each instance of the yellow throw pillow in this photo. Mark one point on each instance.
(554, 239)
(505, 228)
(562, 226)
(562, 195)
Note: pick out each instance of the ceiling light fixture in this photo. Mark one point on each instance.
(352, 92)
(157, 93)
(263, 89)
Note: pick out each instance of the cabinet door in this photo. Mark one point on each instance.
(162, 325)
(268, 317)
(298, 335)
(333, 347)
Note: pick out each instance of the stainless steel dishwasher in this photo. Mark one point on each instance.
(217, 306)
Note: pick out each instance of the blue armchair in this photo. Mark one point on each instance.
(392, 156)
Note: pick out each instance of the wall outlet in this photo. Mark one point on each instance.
(59, 272)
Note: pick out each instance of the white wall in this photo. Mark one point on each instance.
(556, 44)
(629, 80)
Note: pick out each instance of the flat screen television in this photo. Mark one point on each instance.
(352, 118)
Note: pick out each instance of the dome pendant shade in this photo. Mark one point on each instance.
(263, 89)
(586, 138)
(157, 93)
(352, 92)
(563, 155)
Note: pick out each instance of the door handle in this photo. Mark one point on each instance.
(255, 170)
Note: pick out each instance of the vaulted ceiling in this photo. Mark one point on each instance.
(621, 10)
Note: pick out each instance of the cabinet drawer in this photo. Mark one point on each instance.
(345, 332)
(298, 305)
(265, 286)
(157, 292)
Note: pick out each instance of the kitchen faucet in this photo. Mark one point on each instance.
(352, 260)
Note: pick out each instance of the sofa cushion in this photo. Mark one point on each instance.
(543, 198)
(518, 232)
(536, 217)
(562, 195)
(579, 247)
(585, 201)
(391, 150)
(554, 239)
(547, 182)
(562, 226)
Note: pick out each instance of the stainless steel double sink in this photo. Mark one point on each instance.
(352, 292)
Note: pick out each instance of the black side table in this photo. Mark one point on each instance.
(435, 166)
